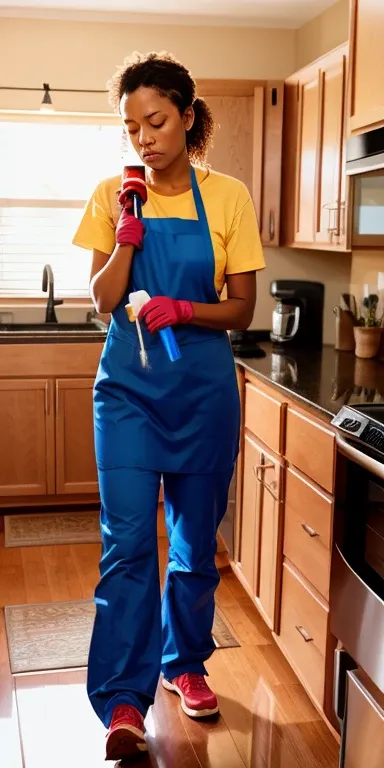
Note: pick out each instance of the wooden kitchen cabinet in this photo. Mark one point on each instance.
(367, 65)
(249, 511)
(46, 425)
(284, 516)
(75, 456)
(264, 416)
(303, 631)
(26, 437)
(314, 207)
(310, 447)
(248, 143)
(308, 530)
(260, 529)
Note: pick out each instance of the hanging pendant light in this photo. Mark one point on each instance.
(46, 104)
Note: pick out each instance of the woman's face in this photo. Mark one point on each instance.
(155, 127)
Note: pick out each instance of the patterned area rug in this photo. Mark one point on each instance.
(51, 528)
(50, 636)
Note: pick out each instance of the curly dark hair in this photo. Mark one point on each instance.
(163, 73)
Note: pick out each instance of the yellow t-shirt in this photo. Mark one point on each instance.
(230, 213)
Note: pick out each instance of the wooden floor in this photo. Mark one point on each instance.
(266, 720)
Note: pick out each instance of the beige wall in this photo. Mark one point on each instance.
(69, 54)
(322, 34)
(367, 269)
(332, 269)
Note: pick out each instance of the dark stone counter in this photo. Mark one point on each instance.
(324, 379)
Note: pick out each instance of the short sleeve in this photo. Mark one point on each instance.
(243, 245)
(97, 229)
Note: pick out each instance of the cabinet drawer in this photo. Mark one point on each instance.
(303, 632)
(263, 417)
(307, 531)
(310, 448)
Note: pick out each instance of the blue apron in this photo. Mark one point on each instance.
(181, 417)
(180, 420)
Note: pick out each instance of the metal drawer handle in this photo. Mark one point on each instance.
(259, 468)
(310, 531)
(303, 632)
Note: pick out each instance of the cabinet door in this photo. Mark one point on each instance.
(26, 437)
(309, 103)
(249, 513)
(268, 538)
(232, 149)
(314, 156)
(367, 65)
(330, 182)
(75, 455)
(248, 145)
(260, 528)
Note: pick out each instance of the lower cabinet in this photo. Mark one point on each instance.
(284, 523)
(26, 437)
(260, 539)
(75, 455)
(303, 632)
(46, 438)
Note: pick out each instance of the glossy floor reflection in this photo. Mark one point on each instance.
(266, 720)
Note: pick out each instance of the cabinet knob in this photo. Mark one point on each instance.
(310, 531)
(304, 634)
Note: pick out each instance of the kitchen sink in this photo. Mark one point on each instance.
(39, 332)
(52, 327)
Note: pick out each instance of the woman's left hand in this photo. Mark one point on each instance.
(162, 311)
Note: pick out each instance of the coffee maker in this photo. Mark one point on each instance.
(297, 319)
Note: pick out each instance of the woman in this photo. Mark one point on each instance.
(177, 421)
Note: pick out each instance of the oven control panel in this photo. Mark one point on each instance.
(361, 428)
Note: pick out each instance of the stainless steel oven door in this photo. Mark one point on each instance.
(357, 584)
(362, 742)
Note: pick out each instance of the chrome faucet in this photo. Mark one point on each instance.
(48, 285)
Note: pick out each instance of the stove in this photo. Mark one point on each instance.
(363, 424)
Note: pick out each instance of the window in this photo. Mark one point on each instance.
(47, 172)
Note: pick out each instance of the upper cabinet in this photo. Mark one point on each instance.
(248, 142)
(367, 65)
(314, 182)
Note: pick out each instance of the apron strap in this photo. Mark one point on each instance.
(201, 215)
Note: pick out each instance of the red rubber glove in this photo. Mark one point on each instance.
(161, 311)
(129, 231)
(130, 186)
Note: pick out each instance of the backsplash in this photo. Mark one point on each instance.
(367, 269)
(332, 269)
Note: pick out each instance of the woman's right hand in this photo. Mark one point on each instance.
(129, 230)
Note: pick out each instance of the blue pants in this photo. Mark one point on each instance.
(134, 636)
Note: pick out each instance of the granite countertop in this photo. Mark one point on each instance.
(324, 379)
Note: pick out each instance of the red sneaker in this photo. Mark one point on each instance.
(125, 737)
(197, 699)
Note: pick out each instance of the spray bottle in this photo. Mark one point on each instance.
(139, 298)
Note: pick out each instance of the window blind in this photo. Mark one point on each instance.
(31, 237)
(47, 172)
